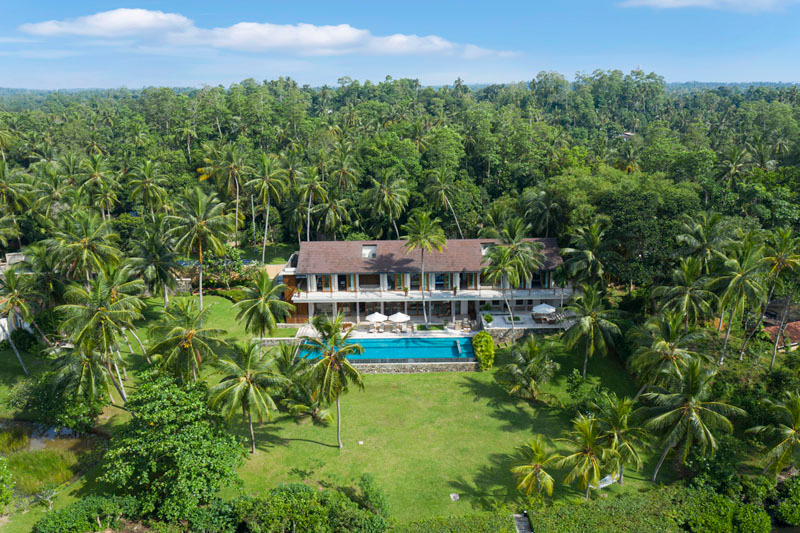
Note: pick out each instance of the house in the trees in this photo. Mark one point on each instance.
(362, 277)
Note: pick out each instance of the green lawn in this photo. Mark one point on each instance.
(276, 255)
(424, 436)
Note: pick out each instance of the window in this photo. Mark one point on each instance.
(323, 282)
(345, 282)
(442, 282)
(369, 251)
(536, 279)
(468, 280)
(414, 282)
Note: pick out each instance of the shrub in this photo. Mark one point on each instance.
(372, 497)
(759, 489)
(643, 511)
(14, 439)
(488, 318)
(751, 518)
(298, 507)
(718, 472)
(94, 513)
(6, 484)
(788, 508)
(483, 345)
(487, 522)
(41, 400)
(218, 517)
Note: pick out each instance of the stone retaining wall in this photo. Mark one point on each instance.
(414, 368)
(274, 341)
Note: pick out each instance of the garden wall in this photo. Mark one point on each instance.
(415, 368)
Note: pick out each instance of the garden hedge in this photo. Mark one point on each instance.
(488, 522)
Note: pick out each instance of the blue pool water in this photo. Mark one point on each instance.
(444, 348)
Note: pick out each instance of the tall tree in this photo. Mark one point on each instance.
(333, 372)
(684, 416)
(270, 185)
(784, 432)
(226, 166)
(147, 184)
(687, 294)
(440, 189)
(593, 324)
(311, 189)
(199, 223)
(248, 384)
(425, 234)
(620, 433)
(586, 258)
(154, 260)
(587, 455)
(532, 366)
(181, 343)
(261, 306)
(531, 473)
(387, 197)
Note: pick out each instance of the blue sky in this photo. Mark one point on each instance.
(81, 43)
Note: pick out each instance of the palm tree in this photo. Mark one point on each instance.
(587, 453)
(333, 373)
(199, 223)
(8, 229)
(593, 324)
(387, 197)
(440, 189)
(687, 294)
(618, 431)
(13, 192)
(531, 472)
(261, 306)
(80, 373)
(741, 278)
(785, 431)
(270, 185)
(335, 213)
(84, 245)
(95, 315)
(783, 255)
(344, 173)
(683, 415)
(704, 236)
(311, 188)
(665, 350)
(154, 260)
(543, 209)
(503, 269)
(733, 164)
(106, 197)
(250, 378)
(226, 166)
(532, 366)
(586, 259)
(13, 304)
(50, 190)
(181, 342)
(147, 184)
(96, 171)
(292, 167)
(427, 235)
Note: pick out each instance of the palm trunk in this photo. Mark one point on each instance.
(510, 312)
(760, 320)
(200, 257)
(621, 473)
(396, 231)
(454, 217)
(266, 227)
(141, 346)
(16, 352)
(782, 325)
(660, 462)
(588, 486)
(721, 318)
(253, 218)
(641, 390)
(339, 424)
(308, 218)
(727, 336)
(236, 220)
(41, 333)
(152, 211)
(252, 435)
(586, 356)
(422, 286)
(166, 295)
(120, 385)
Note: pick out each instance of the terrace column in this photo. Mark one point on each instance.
(334, 308)
(453, 310)
(358, 288)
(358, 314)
(382, 308)
(310, 310)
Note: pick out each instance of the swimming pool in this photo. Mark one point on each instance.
(441, 349)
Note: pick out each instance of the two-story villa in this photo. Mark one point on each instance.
(361, 277)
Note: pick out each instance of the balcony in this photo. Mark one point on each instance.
(376, 295)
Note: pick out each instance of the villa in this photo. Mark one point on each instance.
(363, 277)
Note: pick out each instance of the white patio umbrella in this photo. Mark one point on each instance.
(376, 317)
(399, 317)
(544, 309)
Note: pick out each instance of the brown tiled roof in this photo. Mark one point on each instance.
(460, 255)
(791, 332)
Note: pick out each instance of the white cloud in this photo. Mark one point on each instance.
(114, 23)
(738, 5)
(300, 39)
